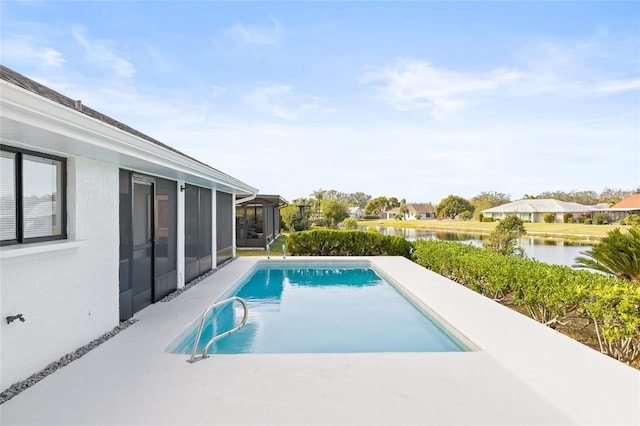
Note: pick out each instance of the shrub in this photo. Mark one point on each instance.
(504, 239)
(418, 216)
(465, 215)
(487, 219)
(320, 223)
(598, 218)
(633, 220)
(548, 293)
(350, 223)
(326, 242)
(615, 311)
(587, 221)
(371, 217)
(549, 218)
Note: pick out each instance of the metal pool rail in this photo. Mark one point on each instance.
(195, 358)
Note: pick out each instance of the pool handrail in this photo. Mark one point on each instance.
(221, 335)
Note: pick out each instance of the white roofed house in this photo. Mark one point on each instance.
(355, 212)
(416, 211)
(420, 211)
(98, 221)
(534, 210)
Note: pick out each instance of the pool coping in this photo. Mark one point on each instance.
(523, 372)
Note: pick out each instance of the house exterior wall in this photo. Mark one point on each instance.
(66, 290)
(423, 215)
(356, 213)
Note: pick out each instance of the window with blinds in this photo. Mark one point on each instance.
(32, 199)
(8, 219)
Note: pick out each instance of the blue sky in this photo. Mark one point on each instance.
(416, 100)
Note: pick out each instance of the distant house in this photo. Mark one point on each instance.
(355, 212)
(534, 210)
(258, 220)
(416, 210)
(624, 208)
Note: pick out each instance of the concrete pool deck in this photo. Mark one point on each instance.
(523, 373)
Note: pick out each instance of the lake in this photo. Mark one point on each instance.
(554, 251)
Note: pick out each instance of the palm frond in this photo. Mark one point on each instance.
(617, 254)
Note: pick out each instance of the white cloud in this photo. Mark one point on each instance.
(29, 49)
(254, 34)
(413, 84)
(593, 66)
(615, 86)
(102, 52)
(278, 100)
(217, 91)
(160, 59)
(269, 99)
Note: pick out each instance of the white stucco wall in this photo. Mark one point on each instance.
(66, 290)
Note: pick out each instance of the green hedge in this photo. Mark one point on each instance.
(327, 242)
(549, 293)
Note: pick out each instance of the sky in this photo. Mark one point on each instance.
(415, 100)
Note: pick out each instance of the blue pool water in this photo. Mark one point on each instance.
(321, 310)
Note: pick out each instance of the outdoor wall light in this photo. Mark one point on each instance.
(12, 318)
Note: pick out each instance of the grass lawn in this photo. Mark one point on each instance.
(554, 230)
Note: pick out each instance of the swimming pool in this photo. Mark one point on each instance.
(320, 308)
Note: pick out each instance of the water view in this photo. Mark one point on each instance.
(554, 251)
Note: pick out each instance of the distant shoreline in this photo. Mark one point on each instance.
(568, 231)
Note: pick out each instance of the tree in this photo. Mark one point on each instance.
(616, 254)
(587, 198)
(403, 210)
(375, 206)
(334, 211)
(316, 199)
(613, 196)
(392, 203)
(487, 200)
(290, 214)
(504, 238)
(359, 199)
(452, 206)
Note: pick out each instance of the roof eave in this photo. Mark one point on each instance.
(30, 120)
